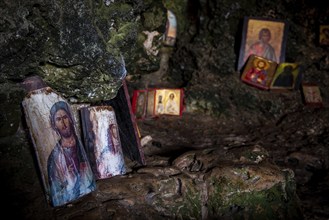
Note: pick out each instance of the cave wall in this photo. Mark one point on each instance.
(206, 55)
(83, 49)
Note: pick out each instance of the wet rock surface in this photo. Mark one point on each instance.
(82, 43)
(297, 141)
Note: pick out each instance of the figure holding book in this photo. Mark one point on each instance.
(258, 73)
(69, 173)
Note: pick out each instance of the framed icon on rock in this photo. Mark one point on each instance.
(152, 103)
(263, 37)
(312, 95)
(259, 72)
(324, 35)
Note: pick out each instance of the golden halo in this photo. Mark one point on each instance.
(172, 93)
(257, 60)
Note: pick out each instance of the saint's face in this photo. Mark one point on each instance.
(261, 64)
(266, 37)
(62, 123)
